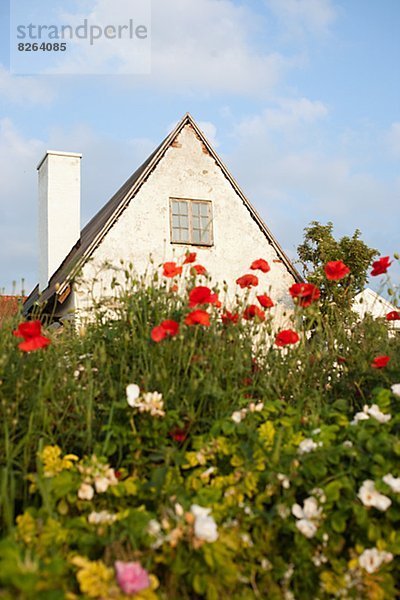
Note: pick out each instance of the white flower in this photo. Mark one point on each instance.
(101, 484)
(347, 444)
(179, 510)
(239, 415)
(205, 527)
(206, 474)
(371, 411)
(132, 394)
(372, 559)
(360, 416)
(253, 407)
(85, 492)
(306, 527)
(246, 539)
(381, 417)
(307, 445)
(308, 516)
(266, 564)
(154, 527)
(149, 402)
(110, 474)
(396, 389)
(153, 403)
(284, 480)
(392, 482)
(320, 494)
(97, 518)
(369, 496)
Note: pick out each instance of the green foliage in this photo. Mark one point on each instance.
(319, 247)
(249, 431)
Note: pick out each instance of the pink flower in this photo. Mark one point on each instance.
(131, 577)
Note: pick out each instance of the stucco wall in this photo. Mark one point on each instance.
(187, 171)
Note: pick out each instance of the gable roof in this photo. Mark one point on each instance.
(93, 233)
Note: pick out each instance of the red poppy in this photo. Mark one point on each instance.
(285, 337)
(247, 281)
(335, 270)
(199, 270)
(380, 266)
(228, 317)
(33, 338)
(260, 265)
(166, 328)
(394, 315)
(190, 258)
(202, 295)
(304, 293)
(171, 269)
(380, 361)
(179, 434)
(252, 311)
(265, 301)
(198, 317)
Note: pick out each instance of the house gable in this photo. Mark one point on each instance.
(181, 154)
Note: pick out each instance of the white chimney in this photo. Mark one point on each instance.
(59, 210)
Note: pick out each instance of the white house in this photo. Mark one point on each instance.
(369, 302)
(181, 198)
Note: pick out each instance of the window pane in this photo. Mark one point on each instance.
(175, 208)
(196, 238)
(184, 235)
(175, 221)
(176, 235)
(184, 222)
(195, 208)
(205, 237)
(204, 209)
(183, 206)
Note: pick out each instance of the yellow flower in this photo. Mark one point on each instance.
(26, 526)
(94, 577)
(53, 463)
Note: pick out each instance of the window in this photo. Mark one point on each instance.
(191, 222)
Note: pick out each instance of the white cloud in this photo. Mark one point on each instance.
(293, 177)
(304, 16)
(106, 164)
(24, 90)
(283, 118)
(197, 46)
(210, 131)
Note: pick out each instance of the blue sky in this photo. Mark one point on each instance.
(300, 97)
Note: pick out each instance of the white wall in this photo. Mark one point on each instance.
(144, 227)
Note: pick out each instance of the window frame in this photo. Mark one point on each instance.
(190, 202)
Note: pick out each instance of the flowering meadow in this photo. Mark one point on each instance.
(177, 447)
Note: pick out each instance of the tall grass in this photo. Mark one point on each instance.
(73, 393)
